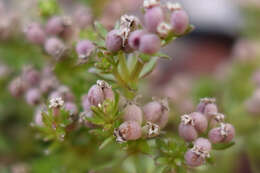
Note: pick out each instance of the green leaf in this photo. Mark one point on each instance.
(95, 120)
(100, 29)
(106, 142)
(162, 55)
(148, 68)
(222, 146)
(162, 160)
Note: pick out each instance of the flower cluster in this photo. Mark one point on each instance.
(205, 121)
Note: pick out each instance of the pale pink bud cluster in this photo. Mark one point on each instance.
(206, 121)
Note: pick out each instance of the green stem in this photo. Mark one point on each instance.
(137, 70)
(123, 66)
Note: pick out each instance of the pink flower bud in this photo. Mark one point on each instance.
(33, 96)
(129, 130)
(210, 110)
(108, 93)
(17, 87)
(38, 117)
(203, 143)
(83, 17)
(54, 47)
(156, 112)
(95, 95)
(71, 107)
(48, 83)
(179, 21)
(188, 132)
(224, 133)
(192, 159)
(133, 113)
(63, 92)
(113, 41)
(55, 25)
(134, 38)
(150, 44)
(35, 34)
(85, 103)
(152, 18)
(200, 121)
(31, 76)
(84, 48)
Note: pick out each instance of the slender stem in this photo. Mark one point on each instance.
(124, 67)
(137, 70)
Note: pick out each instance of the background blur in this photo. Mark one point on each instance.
(220, 58)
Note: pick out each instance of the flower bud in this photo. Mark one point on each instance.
(134, 39)
(187, 132)
(152, 18)
(17, 87)
(71, 107)
(179, 21)
(218, 118)
(224, 133)
(192, 159)
(200, 121)
(33, 96)
(156, 112)
(203, 143)
(55, 25)
(163, 29)
(210, 110)
(149, 44)
(38, 117)
(83, 17)
(95, 95)
(48, 83)
(31, 76)
(85, 103)
(108, 93)
(84, 48)
(82, 118)
(129, 130)
(113, 41)
(54, 47)
(133, 113)
(35, 34)
(56, 104)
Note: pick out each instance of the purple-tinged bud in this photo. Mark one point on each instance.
(113, 41)
(150, 44)
(133, 113)
(84, 48)
(129, 130)
(157, 112)
(55, 25)
(31, 76)
(200, 121)
(95, 95)
(33, 96)
(188, 132)
(108, 93)
(150, 3)
(63, 92)
(48, 83)
(134, 38)
(203, 143)
(83, 116)
(85, 103)
(152, 18)
(54, 47)
(71, 107)
(38, 116)
(163, 29)
(179, 21)
(17, 87)
(211, 110)
(35, 34)
(224, 133)
(83, 17)
(192, 159)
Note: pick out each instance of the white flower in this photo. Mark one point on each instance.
(223, 129)
(103, 84)
(186, 119)
(199, 151)
(219, 117)
(173, 6)
(163, 29)
(150, 3)
(56, 102)
(152, 129)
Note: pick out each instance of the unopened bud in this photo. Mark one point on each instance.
(129, 130)
(133, 113)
